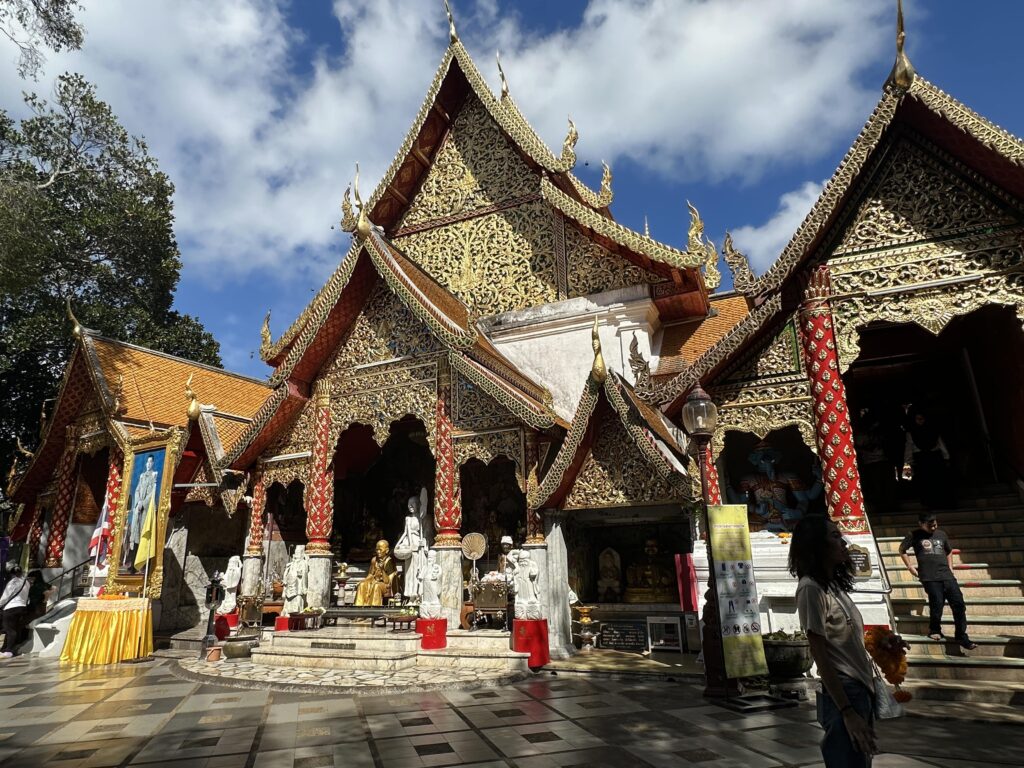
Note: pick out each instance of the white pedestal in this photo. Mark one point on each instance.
(450, 560)
(252, 572)
(319, 582)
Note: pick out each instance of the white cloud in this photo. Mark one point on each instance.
(763, 244)
(260, 158)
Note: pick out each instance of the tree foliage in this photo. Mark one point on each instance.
(32, 24)
(85, 213)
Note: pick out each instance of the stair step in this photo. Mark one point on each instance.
(909, 520)
(966, 711)
(343, 640)
(997, 557)
(957, 530)
(1008, 670)
(983, 691)
(1004, 647)
(452, 658)
(967, 499)
(993, 606)
(325, 658)
(978, 625)
(966, 572)
(971, 588)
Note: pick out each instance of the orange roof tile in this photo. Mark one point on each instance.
(154, 384)
(229, 431)
(682, 344)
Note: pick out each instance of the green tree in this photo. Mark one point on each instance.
(84, 213)
(32, 24)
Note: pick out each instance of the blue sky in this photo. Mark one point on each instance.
(259, 109)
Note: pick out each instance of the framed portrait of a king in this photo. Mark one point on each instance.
(142, 511)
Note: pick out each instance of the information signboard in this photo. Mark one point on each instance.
(624, 635)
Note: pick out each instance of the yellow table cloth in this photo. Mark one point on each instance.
(109, 631)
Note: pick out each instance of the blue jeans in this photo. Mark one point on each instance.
(837, 750)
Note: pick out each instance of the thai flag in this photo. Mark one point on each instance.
(99, 544)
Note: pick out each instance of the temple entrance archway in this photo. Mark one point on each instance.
(492, 503)
(743, 467)
(968, 379)
(372, 486)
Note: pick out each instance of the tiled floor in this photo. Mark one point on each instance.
(143, 715)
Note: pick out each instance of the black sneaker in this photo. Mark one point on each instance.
(967, 645)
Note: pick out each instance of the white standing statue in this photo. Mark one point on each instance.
(412, 548)
(430, 603)
(295, 578)
(527, 589)
(232, 577)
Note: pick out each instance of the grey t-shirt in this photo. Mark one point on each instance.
(834, 616)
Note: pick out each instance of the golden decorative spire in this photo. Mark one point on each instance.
(453, 36)
(76, 327)
(118, 393)
(902, 75)
(698, 245)
(266, 340)
(501, 74)
(606, 180)
(647, 228)
(193, 402)
(598, 370)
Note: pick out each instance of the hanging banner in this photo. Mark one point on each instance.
(738, 613)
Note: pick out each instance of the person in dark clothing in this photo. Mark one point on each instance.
(38, 593)
(935, 570)
(13, 604)
(926, 462)
(878, 478)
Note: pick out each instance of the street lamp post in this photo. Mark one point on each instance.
(700, 417)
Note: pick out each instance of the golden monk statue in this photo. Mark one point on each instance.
(380, 581)
(651, 581)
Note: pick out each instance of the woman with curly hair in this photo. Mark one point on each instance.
(835, 631)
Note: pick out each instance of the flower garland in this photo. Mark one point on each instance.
(889, 651)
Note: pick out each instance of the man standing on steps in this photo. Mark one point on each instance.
(935, 570)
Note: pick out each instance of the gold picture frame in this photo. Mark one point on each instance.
(167, 446)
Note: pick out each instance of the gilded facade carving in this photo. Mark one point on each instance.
(779, 357)
(592, 269)
(766, 417)
(616, 474)
(474, 409)
(917, 197)
(487, 446)
(494, 263)
(475, 168)
(285, 472)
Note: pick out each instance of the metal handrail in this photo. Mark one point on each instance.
(60, 578)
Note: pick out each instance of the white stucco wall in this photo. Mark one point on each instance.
(552, 344)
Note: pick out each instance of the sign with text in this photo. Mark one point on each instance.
(738, 612)
(624, 635)
(861, 561)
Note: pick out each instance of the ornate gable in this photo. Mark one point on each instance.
(615, 473)
(916, 195)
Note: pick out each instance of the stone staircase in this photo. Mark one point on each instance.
(351, 646)
(987, 529)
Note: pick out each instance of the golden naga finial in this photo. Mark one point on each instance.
(570, 138)
(606, 182)
(13, 472)
(362, 228)
(118, 393)
(348, 216)
(699, 245)
(453, 36)
(76, 327)
(598, 370)
(902, 75)
(22, 449)
(193, 402)
(266, 340)
(501, 74)
(743, 279)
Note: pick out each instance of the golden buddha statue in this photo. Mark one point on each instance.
(380, 581)
(651, 581)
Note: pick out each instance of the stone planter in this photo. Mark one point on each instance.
(787, 659)
(239, 647)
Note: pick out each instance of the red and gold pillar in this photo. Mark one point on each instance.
(831, 414)
(320, 494)
(447, 504)
(113, 491)
(67, 481)
(711, 476)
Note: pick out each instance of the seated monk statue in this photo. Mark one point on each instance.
(651, 581)
(380, 581)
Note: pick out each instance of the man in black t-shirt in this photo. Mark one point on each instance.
(935, 570)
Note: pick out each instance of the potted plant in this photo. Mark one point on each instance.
(787, 654)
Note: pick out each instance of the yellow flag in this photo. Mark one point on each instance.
(148, 535)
